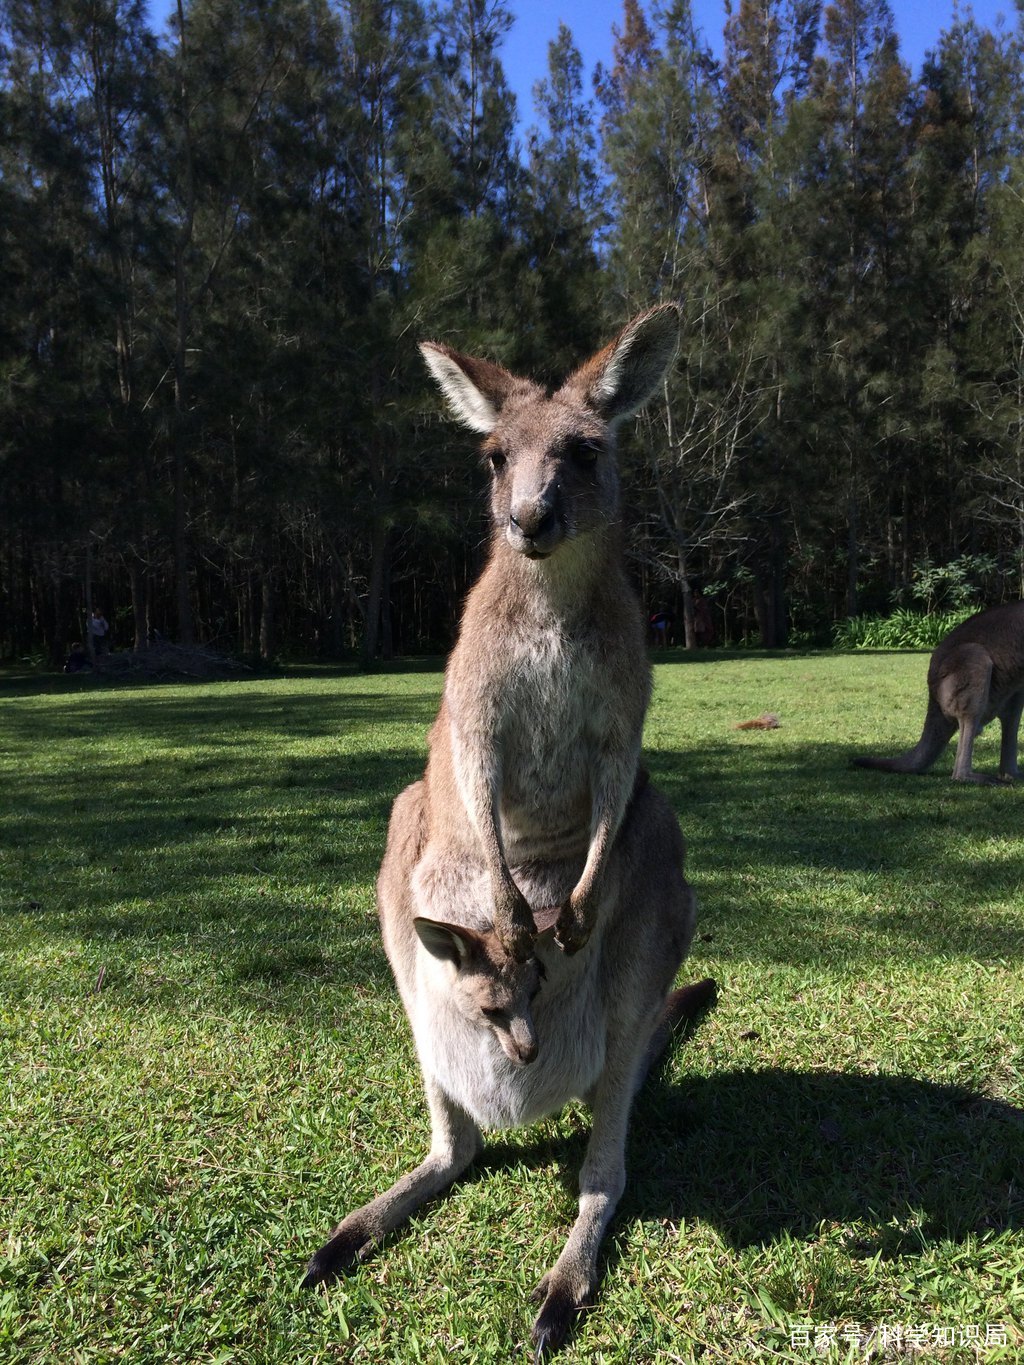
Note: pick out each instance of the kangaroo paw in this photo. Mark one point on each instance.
(560, 1310)
(348, 1246)
(573, 928)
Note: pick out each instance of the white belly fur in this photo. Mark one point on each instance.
(468, 1063)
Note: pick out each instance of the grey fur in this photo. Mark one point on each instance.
(975, 675)
(532, 896)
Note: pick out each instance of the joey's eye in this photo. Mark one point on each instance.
(493, 1016)
(498, 460)
(585, 452)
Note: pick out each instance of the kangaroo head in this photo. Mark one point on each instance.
(489, 987)
(552, 455)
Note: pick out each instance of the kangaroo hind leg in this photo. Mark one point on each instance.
(963, 695)
(569, 1285)
(455, 1141)
(1010, 722)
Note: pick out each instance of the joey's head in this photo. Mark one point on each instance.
(552, 454)
(488, 986)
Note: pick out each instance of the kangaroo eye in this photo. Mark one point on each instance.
(585, 452)
(498, 460)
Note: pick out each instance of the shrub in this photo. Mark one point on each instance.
(904, 629)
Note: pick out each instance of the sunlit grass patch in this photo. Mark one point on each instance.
(205, 1061)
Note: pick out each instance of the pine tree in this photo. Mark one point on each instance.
(760, 172)
(74, 81)
(568, 217)
(862, 92)
(659, 129)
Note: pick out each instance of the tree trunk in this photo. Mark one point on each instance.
(181, 565)
(375, 591)
(852, 561)
(140, 604)
(387, 639)
(689, 619)
(781, 627)
(90, 642)
(764, 609)
(267, 615)
(181, 331)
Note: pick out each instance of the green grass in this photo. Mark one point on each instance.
(204, 1061)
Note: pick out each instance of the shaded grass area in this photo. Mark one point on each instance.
(205, 1061)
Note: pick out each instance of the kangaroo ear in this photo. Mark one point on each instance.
(619, 379)
(544, 921)
(447, 942)
(476, 390)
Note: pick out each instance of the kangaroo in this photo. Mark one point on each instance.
(532, 896)
(975, 674)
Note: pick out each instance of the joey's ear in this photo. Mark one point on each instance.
(448, 942)
(544, 921)
(619, 379)
(476, 390)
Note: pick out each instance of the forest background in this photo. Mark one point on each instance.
(220, 243)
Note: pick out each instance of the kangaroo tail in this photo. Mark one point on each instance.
(681, 1006)
(938, 731)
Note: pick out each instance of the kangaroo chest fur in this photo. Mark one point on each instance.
(547, 693)
(553, 709)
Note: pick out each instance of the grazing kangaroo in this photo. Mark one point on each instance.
(975, 674)
(532, 897)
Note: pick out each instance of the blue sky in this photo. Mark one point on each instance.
(524, 54)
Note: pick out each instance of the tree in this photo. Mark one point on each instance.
(862, 93)
(74, 79)
(568, 217)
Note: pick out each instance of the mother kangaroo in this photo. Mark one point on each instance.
(532, 897)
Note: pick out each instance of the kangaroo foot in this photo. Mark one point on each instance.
(982, 779)
(561, 1306)
(350, 1244)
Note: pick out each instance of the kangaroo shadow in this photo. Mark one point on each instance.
(771, 1153)
(766, 1154)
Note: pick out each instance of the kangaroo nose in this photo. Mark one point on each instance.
(520, 1043)
(526, 1053)
(533, 521)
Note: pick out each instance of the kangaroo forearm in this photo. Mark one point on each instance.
(612, 795)
(479, 777)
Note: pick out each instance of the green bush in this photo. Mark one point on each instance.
(904, 629)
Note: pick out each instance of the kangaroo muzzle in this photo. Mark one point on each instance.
(520, 1043)
(534, 528)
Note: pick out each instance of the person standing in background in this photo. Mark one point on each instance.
(98, 630)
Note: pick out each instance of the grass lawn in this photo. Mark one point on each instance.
(204, 1061)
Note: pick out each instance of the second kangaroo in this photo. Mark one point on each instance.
(975, 674)
(532, 896)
